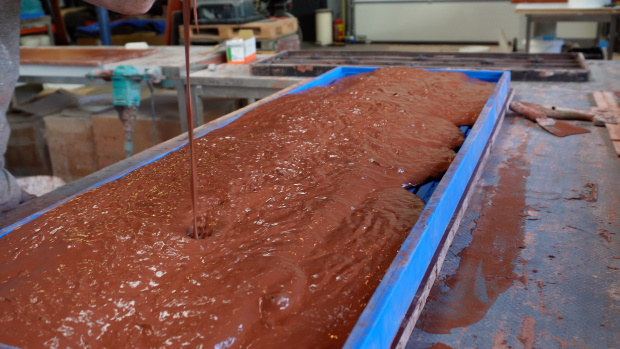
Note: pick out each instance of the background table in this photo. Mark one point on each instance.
(562, 13)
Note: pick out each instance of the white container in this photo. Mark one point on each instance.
(588, 3)
(323, 21)
(243, 49)
(33, 40)
(546, 46)
(39, 185)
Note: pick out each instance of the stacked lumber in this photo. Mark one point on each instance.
(268, 32)
(606, 100)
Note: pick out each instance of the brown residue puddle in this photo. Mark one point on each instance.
(302, 206)
(486, 268)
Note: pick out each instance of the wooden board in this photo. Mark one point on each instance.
(78, 56)
(606, 99)
(264, 29)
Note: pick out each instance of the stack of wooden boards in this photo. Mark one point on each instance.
(272, 35)
(607, 100)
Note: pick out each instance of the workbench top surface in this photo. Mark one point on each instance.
(239, 75)
(563, 9)
(111, 56)
(78, 56)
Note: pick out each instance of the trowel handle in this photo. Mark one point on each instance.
(562, 113)
(530, 113)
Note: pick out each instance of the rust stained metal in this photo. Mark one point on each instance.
(523, 66)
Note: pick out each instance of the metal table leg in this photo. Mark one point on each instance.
(181, 103)
(104, 26)
(613, 33)
(50, 33)
(196, 92)
(528, 33)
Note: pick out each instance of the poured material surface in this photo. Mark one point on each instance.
(302, 206)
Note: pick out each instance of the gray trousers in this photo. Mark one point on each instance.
(10, 193)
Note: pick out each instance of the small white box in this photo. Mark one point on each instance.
(243, 49)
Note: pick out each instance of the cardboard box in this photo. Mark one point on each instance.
(243, 49)
(109, 136)
(71, 147)
(27, 153)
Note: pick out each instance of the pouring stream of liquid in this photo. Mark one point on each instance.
(190, 110)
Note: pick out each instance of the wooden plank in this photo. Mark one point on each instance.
(270, 29)
(264, 29)
(78, 56)
(606, 99)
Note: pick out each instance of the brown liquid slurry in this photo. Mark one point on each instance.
(189, 113)
(303, 203)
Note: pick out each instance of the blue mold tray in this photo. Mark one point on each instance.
(381, 319)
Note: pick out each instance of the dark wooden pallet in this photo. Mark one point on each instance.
(523, 66)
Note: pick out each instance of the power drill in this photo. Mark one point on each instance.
(126, 81)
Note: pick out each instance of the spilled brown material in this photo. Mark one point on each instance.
(589, 193)
(304, 207)
(486, 268)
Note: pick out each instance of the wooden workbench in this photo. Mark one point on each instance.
(69, 65)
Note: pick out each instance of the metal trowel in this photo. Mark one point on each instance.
(557, 128)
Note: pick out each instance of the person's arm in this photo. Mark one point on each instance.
(126, 7)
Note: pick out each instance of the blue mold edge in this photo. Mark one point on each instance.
(385, 311)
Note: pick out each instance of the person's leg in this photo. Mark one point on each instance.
(10, 193)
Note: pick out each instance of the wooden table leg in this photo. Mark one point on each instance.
(61, 32)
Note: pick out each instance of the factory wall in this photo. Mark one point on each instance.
(472, 21)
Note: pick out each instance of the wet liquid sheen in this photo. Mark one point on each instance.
(304, 209)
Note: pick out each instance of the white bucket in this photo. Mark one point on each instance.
(546, 46)
(323, 21)
(588, 3)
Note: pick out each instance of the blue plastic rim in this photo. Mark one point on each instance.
(381, 319)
